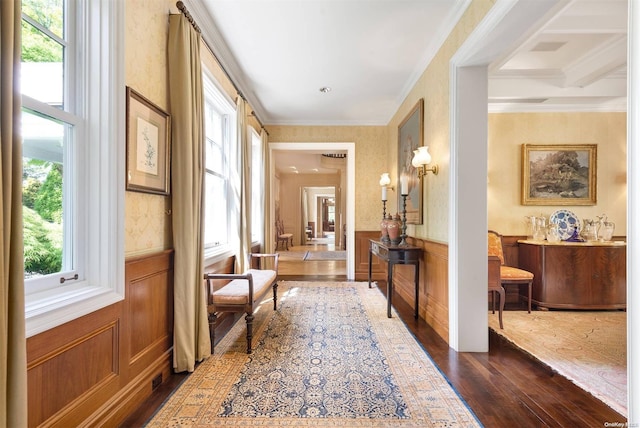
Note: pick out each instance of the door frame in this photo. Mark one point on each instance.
(350, 206)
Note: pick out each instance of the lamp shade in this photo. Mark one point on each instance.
(385, 180)
(421, 157)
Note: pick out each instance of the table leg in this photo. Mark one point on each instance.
(417, 276)
(389, 288)
(370, 260)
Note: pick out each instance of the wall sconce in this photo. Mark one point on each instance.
(421, 159)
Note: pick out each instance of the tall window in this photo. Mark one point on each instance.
(219, 170)
(48, 125)
(256, 187)
(72, 213)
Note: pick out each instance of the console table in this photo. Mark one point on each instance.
(576, 275)
(393, 255)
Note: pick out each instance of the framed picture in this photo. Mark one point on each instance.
(559, 174)
(410, 137)
(148, 150)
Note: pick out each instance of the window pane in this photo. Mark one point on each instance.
(213, 123)
(215, 212)
(42, 199)
(214, 157)
(256, 187)
(47, 13)
(42, 66)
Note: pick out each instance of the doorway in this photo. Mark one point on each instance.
(319, 215)
(345, 192)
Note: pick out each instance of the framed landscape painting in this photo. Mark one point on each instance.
(559, 174)
(410, 137)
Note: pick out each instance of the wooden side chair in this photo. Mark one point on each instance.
(285, 238)
(501, 275)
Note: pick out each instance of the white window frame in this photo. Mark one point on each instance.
(219, 97)
(96, 69)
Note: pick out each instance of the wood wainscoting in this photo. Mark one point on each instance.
(95, 370)
(434, 274)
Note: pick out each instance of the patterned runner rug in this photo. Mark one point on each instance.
(328, 357)
(588, 348)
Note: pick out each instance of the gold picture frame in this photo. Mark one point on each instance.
(410, 137)
(148, 148)
(559, 174)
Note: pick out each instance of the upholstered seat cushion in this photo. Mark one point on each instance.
(237, 291)
(510, 273)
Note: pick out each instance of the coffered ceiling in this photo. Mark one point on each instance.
(574, 60)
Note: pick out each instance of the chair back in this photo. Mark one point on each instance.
(495, 245)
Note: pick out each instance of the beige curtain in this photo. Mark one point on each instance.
(191, 341)
(267, 225)
(13, 347)
(244, 154)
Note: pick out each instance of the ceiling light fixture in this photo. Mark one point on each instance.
(325, 89)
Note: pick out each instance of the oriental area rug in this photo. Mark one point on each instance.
(587, 347)
(328, 357)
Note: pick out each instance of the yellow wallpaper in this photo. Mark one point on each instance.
(371, 161)
(433, 86)
(507, 133)
(147, 223)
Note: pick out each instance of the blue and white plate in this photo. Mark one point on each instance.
(567, 222)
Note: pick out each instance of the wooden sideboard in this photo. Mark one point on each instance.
(576, 275)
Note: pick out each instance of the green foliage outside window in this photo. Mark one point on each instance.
(37, 47)
(42, 217)
(42, 244)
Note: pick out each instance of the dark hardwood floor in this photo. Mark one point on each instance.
(504, 387)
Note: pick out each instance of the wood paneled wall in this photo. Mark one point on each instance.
(433, 306)
(97, 369)
(434, 276)
(378, 268)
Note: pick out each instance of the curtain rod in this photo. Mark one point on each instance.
(183, 8)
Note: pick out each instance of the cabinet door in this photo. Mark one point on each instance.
(567, 275)
(608, 275)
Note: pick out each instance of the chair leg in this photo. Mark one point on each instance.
(530, 285)
(275, 295)
(501, 293)
(212, 329)
(249, 318)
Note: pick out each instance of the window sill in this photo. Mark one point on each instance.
(52, 308)
(217, 255)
